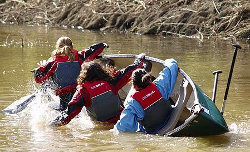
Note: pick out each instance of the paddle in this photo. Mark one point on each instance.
(19, 105)
(236, 47)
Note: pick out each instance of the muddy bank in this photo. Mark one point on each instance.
(190, 18)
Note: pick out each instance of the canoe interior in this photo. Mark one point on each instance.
(209, 121)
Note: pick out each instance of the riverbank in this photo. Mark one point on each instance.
(188, 18)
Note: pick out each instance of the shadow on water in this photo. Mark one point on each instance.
(216, 141)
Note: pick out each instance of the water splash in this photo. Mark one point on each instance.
(241, 128)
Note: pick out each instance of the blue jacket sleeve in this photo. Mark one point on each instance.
(130, 116)
(166, 80)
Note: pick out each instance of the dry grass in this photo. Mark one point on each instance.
(190, 18)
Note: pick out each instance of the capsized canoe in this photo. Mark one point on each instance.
(194, 115)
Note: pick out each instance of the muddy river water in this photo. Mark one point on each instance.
(29, 130)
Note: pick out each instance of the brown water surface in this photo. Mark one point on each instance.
(29, 131)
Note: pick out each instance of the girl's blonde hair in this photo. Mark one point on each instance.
(64, 46)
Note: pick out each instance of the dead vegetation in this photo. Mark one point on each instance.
(189, 18)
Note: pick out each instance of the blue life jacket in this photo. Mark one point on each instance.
(66, 74)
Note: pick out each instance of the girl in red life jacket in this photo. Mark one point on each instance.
(63, 67)
(98, 93)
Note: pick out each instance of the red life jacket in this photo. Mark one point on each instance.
(65, 58)
(156, 108)
(104, 103)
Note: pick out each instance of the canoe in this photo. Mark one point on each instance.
(195, 114)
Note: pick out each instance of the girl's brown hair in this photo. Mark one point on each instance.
(64, 46)
(93, 71)
(141, 78)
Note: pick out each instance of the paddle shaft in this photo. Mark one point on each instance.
(236, 47)
(216, 73)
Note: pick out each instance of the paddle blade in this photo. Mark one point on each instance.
(19, 105)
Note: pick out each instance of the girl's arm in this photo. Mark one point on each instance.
(123, 76)
(92, 52)
(130, 116)
(166, 80)
(74, 108)
(45, 71)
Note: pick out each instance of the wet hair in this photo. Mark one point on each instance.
(93, 71)
(141, 78)
(64, 46)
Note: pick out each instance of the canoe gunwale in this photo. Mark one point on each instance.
(190, 119)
